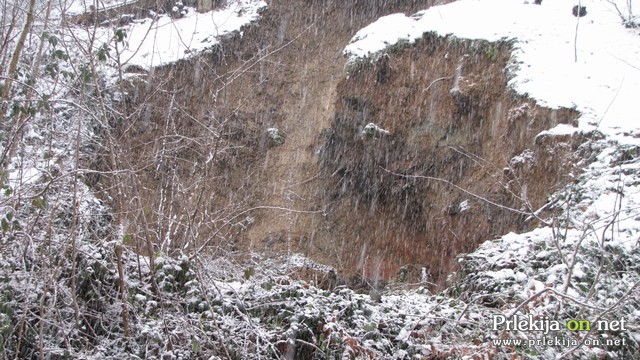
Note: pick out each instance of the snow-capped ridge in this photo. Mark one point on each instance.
(165, 39)
(592, 70)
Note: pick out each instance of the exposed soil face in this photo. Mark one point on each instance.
(209, 174)
(436, 185)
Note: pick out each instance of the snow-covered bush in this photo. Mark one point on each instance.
(373, 131)
(275, 137)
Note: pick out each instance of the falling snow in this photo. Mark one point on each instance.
(578, 263)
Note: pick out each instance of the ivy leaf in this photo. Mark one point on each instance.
(51, 69)
(44, 103)
(60, 54)
(53, 41)
(86, 76)
(120, 35)
(102, 54)
(15, 109)
(39, 202)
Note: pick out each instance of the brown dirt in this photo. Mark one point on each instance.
(328, 188)
(462, 140)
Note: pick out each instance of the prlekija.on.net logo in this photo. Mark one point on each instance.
(544, 331)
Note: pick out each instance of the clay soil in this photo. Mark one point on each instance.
(211, 175)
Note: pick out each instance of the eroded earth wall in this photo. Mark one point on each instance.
(368, 203)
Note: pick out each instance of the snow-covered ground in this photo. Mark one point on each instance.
(78, 7)
(162, 39)
(152, 43)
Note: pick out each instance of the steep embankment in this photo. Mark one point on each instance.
(212, 175)
(460, 162)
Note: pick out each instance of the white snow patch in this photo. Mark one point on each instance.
(78, 7)
(502, 274)
(464, 206)
(372, 129)
(155, 42)
(560, 129)
(18, 177)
